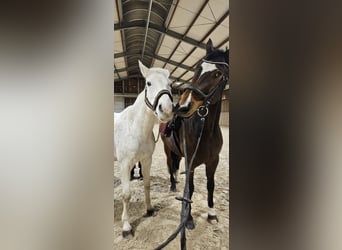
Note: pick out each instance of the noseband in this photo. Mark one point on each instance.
(156, 99)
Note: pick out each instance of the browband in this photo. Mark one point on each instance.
(223, 63)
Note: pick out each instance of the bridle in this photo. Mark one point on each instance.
(213, 90)
(156, 99)
(202, 111)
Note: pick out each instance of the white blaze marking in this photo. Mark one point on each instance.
(187, 101)
(207, 67)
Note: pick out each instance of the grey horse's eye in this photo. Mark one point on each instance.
(148, 84)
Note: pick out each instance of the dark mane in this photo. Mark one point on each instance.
(218, 55)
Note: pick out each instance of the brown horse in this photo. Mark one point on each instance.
(202, 99)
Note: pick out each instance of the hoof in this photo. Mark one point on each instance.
(141, 178)
(150, 213)
(173, 189)
(212, 219)
(190, 224)
(127, 234)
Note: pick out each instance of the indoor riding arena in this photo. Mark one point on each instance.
(169, 34)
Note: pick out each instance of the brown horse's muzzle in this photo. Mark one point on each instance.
(187, 104)
(181, 110)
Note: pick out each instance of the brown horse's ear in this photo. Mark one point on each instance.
(209, 46)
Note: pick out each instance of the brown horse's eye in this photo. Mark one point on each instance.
(217, 74)
(148, 83)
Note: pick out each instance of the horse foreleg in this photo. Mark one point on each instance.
(146, 166)
(126, 196)
(210, 169)
(173, 164)
(190, 221)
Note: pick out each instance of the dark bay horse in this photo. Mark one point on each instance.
(201, 99)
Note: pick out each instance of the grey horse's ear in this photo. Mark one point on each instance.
(166, 72)
(209, 47)
(143, 69)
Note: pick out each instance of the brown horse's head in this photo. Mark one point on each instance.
(211, 76)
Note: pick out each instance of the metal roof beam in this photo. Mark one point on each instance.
(116, 71)
(138, 76)
(163, 59)
(204, 37)
(167, 22)
(146, 29)
(188, 29)
(120, 17)
(160, 29)
(130, 68)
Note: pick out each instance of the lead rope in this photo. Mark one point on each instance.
(185, 199)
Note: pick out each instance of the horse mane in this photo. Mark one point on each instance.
(218, 53)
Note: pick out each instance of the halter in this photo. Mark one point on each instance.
(156, 99)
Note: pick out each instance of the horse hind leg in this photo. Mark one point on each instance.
(141, 176)
(175, 166)
(146, 167)
(132, 173)
(126, 195)
(133, 170)
(210, 169)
